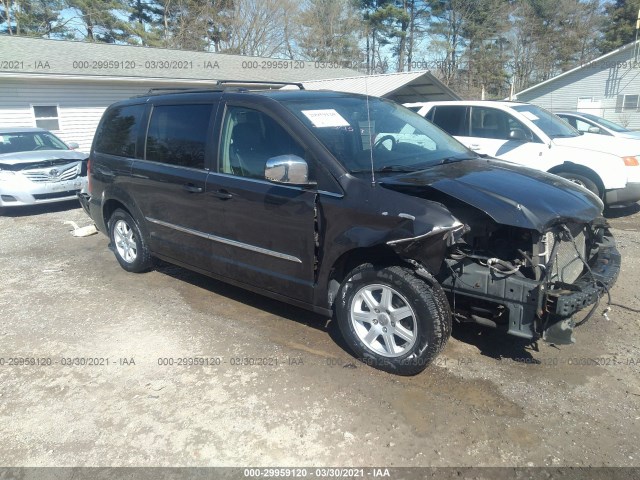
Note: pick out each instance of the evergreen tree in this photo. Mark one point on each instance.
(39, 18)
(100, 20)
(145, 27)
(621, 24)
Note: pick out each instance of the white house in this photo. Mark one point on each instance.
(608, 86)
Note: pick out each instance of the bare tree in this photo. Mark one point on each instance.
(259, 27)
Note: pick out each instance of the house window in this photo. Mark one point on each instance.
(46, 117)
(630, 102)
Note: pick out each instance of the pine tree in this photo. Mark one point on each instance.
(621, 25)
(99, 19)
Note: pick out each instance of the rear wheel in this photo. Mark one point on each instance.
(392, 319)
(581, 180)
(129, 245)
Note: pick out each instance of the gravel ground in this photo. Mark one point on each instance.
(487, 401)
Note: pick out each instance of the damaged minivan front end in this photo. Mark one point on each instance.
(524, 256)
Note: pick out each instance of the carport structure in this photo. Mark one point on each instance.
(417, 86)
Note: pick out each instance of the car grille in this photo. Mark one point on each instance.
(49, 196)
(567, 266)
(53, 174)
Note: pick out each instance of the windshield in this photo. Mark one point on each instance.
(552, 126)
(605, 123)
(387, 134)
(29, 142)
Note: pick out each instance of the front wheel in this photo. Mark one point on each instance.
(392, 319)
(581, 180)
(129, 245)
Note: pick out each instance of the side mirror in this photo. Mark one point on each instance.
(73, 145)
(287, 169)
(517, 134)
(594, 130)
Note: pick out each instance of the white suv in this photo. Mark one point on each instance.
(531, 136)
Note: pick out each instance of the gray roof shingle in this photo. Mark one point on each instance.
(22, 55)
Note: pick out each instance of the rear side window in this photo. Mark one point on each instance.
(177, 134)
(489, 123)
(451, 118)
(119, 131)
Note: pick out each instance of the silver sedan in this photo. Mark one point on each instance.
(38, 167)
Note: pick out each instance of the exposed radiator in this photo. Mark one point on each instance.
(567, 265)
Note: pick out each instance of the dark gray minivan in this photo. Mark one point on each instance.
(350, 206)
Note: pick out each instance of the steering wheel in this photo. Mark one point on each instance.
(40, 147)
(383, 139)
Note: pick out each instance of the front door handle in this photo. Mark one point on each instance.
(222, 194)
(191, 188)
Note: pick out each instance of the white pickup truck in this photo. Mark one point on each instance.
(533, 137)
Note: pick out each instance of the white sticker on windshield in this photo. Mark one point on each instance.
(325, 118)
(1, 139)
(530, 116)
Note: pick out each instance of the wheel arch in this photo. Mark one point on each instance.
(382, 255)
(111, 206)
(570, 167)
(119, 199)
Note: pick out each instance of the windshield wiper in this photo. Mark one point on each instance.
(455, 159)
(395, 168)
(563, 135)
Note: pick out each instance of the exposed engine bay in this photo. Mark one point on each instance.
(512, 278)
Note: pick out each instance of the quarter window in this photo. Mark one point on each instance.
(178, 134)
(46, 117)
(119, 131)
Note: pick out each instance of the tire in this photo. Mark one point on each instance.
(128, 244)
(410, 327)
(581, 180)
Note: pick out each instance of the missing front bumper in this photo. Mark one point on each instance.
(519, 296)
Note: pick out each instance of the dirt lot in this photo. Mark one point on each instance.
(487, 401)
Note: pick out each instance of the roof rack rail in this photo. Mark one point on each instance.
(219, 86)
(161, 90)
(250, 83)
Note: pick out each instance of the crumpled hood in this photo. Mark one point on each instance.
(41, 156)
(601, 143)
(509, 194)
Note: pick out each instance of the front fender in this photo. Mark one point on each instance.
(609, 168)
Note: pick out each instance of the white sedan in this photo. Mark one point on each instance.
(38, 167)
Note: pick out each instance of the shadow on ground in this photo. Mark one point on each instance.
(494, 343)
(619, 212)
(489, 342)
(41, 209)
